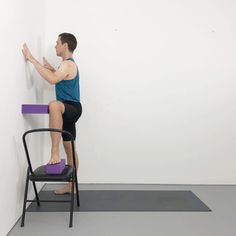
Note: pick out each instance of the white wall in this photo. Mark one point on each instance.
(20, 21)
(157, 87)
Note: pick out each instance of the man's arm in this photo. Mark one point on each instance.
(51, 77)
(47, 65)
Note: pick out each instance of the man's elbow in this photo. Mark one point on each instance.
(52, 80)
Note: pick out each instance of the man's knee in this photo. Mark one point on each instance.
(56, 106)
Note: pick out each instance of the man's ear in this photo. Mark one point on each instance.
(66, 45)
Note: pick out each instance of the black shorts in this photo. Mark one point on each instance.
(73, 111)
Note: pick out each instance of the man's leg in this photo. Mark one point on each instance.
(68, 151)
(56, 109)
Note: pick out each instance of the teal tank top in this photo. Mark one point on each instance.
(68, 90)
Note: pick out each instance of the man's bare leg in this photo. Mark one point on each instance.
(56, 109)
(68, 150)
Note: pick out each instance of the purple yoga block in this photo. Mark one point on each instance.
(34, 109)
(55, 168)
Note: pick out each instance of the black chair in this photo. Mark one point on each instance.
(39, 175)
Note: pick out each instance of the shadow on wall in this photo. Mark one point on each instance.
(35, 86)
(21, 164)
(29, 74)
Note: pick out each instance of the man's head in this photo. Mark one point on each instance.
(65, 41)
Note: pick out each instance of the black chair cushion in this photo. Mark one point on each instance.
(41, 175)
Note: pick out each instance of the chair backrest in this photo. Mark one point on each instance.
(47, 130)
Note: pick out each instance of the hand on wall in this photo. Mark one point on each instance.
(27, 54)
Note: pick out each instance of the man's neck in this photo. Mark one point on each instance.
(67, 55)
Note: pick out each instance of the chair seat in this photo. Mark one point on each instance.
(41, 175)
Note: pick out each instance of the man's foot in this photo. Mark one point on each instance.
(64, 190)
(54, 160)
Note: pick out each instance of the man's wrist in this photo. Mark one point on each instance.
(33, 61)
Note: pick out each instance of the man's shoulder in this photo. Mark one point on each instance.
(69, 68)
(68, 63)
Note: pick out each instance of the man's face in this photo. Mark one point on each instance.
(59, 47)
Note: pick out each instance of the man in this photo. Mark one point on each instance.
(66, 110)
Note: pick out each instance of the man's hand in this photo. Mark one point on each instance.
(47, 71)
(47, 65)
(27, 54)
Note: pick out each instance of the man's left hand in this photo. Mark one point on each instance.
(27, 54)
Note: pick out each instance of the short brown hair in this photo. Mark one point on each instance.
(70, 39)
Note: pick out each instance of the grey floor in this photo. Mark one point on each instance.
(220, 222)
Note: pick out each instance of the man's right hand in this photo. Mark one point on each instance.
(47, 65)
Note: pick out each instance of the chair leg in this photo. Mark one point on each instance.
(72, 199)
(25, 199)
(36, 193)
(77, 190)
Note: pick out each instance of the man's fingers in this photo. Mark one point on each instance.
(25, 49)
(25, 46)
(27, 54)
(45, 61)
(24, 54)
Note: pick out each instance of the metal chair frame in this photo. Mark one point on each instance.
(49, 178)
